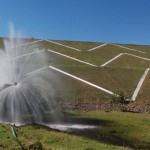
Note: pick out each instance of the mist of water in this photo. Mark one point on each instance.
(25, 94)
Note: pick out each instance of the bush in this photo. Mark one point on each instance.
(119, 97)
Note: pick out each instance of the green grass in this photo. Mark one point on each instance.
(130, 127)
(144, 92)
(76, 91)
(126, 61)
(55, 140)
(80, 45)
(106, 78)
(144, 48)
(122, 74)
(126, 128)
(7, 141)
(98, 56)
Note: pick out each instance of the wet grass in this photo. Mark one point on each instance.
(116, 128)
(7, 141)
(128, 127)
(55, 140)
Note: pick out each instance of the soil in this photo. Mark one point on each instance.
(141, 106)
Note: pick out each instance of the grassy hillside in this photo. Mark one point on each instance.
(123, 73)
(126, 61)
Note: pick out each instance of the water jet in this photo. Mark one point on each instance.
(24, 96)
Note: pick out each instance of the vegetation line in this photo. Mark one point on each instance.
(82, 80)
(127, 48)
(63, 45)
(139, 85)
(72, 58)
(97, 47)
(112, 60)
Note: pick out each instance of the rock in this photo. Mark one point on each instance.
(139, 106)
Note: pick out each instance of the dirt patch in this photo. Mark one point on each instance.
(142, 106)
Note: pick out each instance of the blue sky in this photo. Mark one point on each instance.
(116, 21)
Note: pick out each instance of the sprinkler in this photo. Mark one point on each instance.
(15, 83)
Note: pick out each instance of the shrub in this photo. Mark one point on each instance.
(119, 97)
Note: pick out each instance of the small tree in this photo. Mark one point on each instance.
(119, 97)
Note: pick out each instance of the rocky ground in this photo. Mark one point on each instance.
(141, 106)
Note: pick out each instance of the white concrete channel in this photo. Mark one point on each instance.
(121, 54)
(133, 98)
(127, 48)
(97, 47)
(137, 56)
(82, 80)
(106, 63)
(98, 87)
(72, 58)
(63, 45)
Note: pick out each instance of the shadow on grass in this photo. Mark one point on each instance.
(106, 131)
(65, 117)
